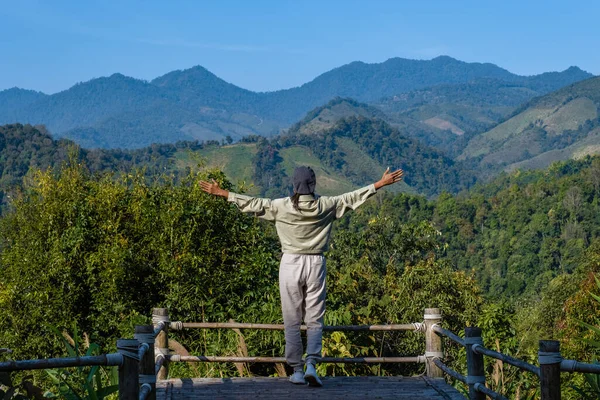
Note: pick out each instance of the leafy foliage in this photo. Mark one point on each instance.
(388, 273)
(82, 382)
(101, 252)
(517, 232)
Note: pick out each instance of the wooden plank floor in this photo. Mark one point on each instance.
(347, 388)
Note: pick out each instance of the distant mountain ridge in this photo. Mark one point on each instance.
(194, 104)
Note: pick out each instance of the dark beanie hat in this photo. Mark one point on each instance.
(304, 180)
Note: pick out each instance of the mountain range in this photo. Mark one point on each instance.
(560, 125)
(194, 104)
(349, 143)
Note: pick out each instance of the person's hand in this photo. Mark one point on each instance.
(213, 188)
(389, 178)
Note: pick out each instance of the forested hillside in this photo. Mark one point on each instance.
(519, 231)
(428, 170)
(532, 240)
(194, 104)
(23, 147)
(14, 99)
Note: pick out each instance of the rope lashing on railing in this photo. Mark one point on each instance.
(160, 326)
(436, 316)
(478, 348)
(367, 360)
(178, 325)
(488, 392)
(444, 332)
(576, 366)
(473, 340)
(420, 326)
(130, 348)
(149, 338)
(145, 390)
(449, 371)
(157, 319)
(147, 378)
(545, 357)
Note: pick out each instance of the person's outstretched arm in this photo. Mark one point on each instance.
(353, 200)
(262, 208)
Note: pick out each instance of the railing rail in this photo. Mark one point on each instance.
(178, 325)
(449, 371)
(577, 366)
(338, 360)
(481, 388)
(446, 333)
(115, 359)
(507, 359)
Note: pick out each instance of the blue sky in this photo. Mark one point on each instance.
(269, 45)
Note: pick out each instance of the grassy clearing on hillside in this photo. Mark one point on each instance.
(359, 164)
(512, 134)
(484, 143)
(234, 160)
(570, 116)
(444, 125)
(588, 146)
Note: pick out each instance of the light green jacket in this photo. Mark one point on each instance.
(306, 231)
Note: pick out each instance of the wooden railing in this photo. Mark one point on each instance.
(549, 358)
(134, 358)
(433, 342)
(549, 371)
(146, 358)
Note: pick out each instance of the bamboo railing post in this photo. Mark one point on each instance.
(162, 340)
(145, 334)
(475, 366)
(433, 343)
(549, 359)
(129, 384)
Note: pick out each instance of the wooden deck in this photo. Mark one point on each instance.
(347, 388)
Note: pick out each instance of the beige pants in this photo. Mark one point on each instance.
(302, 289)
